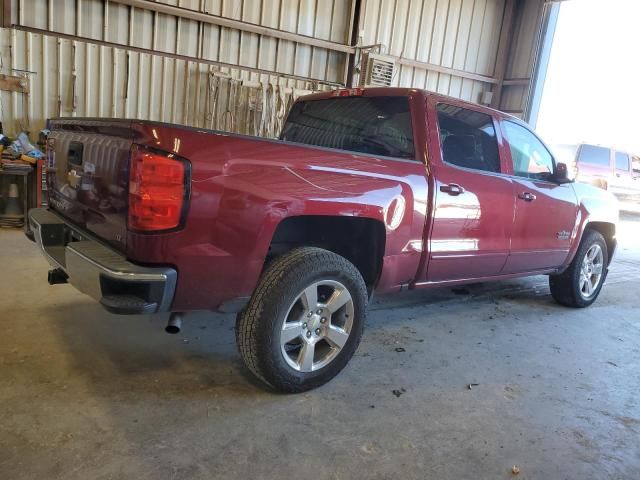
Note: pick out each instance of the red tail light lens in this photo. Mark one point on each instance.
(157, 191)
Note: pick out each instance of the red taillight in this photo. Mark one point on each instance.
(156, 191)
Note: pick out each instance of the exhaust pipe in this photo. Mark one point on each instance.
(56, 276)
(174, 324)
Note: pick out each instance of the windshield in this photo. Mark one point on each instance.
(369, 125)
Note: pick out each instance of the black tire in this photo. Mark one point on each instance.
(259, 326)
(565, 287)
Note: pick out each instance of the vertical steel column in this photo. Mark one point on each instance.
(352, 38)
(504, 49)
(6, 13)
(545, 42)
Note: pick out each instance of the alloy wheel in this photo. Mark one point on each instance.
(591, 272)
(317, 326)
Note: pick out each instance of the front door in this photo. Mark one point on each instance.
(473, 205)
(545, 212)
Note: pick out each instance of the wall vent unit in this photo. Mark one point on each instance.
(377, 70)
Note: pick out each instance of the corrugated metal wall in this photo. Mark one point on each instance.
(462, 35)
(181, 64)
(72, 78)
(115, 22)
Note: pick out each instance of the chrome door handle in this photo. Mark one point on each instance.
(452, 189)
(527, 197)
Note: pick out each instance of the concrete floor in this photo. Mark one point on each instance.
(88, 395)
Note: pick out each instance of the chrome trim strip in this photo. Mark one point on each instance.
(116, 274)
(486, 278)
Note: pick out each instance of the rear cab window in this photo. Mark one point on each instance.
(378, 126)
(468, 138)
(594, 155)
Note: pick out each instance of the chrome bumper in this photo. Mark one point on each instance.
(120, 286)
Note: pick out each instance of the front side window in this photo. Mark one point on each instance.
(530, 157)
(369, 125)
(594, 155)
(622, 161)
(468, 138)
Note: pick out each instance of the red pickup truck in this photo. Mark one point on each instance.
(366, 190)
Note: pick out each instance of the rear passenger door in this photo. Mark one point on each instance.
(545, 212)
(473, 204)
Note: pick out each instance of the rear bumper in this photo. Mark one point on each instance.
(120, 286)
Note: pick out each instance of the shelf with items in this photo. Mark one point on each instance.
(17, 159)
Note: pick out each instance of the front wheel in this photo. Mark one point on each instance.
(304, 321)
(581, 283)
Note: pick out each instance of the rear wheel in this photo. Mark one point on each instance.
(304, 321)
(581, 283)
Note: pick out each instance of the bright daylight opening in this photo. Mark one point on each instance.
(591, 92)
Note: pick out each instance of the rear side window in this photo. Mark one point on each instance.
(594, 155)
(468, 138)
(622, 161)
(369, 125)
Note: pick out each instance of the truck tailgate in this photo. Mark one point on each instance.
(88, 172)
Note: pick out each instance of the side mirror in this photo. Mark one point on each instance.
(561, 174)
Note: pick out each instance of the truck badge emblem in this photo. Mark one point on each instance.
(563, 235)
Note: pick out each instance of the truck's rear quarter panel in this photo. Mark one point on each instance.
(242, 187)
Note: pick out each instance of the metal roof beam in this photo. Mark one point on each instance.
(197, 16)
